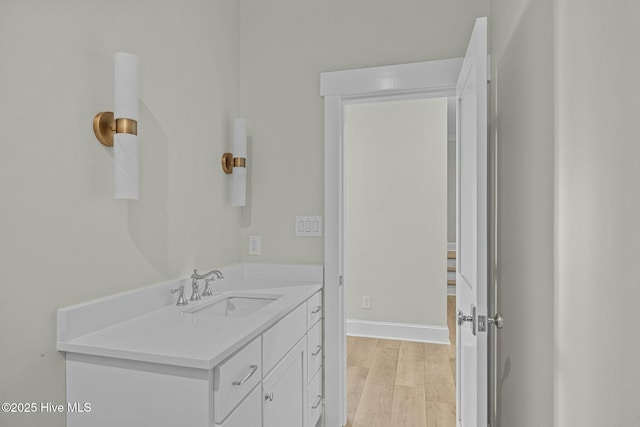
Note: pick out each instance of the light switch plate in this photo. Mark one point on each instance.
(308, 226)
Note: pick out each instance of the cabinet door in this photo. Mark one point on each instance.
(248, 413)
(285, 390)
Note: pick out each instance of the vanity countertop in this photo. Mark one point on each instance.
(170, 335)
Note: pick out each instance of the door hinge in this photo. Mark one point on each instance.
(340, 280)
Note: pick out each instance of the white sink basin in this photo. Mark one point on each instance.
(234, 306)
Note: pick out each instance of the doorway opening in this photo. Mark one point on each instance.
(400, 341)
(434, 79)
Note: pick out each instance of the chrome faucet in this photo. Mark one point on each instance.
(194, 283)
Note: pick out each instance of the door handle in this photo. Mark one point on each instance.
(463, 318)
(496, 320)
(473, 319)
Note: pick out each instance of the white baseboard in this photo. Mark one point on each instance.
(398, 331)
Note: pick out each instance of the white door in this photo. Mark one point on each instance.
(472, 244)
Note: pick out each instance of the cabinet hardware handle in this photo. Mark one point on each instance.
(253, 370)
(317, 402)
(316, 310)
(318, 350)
(268, 397)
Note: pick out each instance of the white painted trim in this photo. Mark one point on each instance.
(416, 77)
(431, 79)
(398, 331)
(335, 359)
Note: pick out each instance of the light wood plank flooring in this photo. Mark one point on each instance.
(402, 383)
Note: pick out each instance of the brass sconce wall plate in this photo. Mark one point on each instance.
(104, 126)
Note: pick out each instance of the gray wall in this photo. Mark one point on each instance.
(63, 238)
(395, 211)
(564, 106)
(597, 213)
(285, 45)
(522, 145)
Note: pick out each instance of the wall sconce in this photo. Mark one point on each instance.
(120, 128)
(237, 166)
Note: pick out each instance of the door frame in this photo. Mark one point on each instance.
(429, 79)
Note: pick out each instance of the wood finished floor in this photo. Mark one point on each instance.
(402, 383)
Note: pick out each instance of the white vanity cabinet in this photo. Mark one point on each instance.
(275, 380)
(292, 374)
(292, 369)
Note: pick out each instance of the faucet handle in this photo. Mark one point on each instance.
(181, 299)
(207, 290)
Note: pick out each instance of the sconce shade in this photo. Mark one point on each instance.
(126, 113)
(125, 86)
(239, 176)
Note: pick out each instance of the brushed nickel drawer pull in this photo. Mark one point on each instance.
(317, 402)
(253, 370)
(318, 350)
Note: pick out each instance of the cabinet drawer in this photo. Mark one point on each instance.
(235, 377)
(278, 340)
(314, 309)
(248, 413)
(314, 401)
(314, 350)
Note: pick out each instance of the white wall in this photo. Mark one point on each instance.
(451, 191)
(285, 45)
(63, 238)
(598, 213)
(396, 211)
(522, 145)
